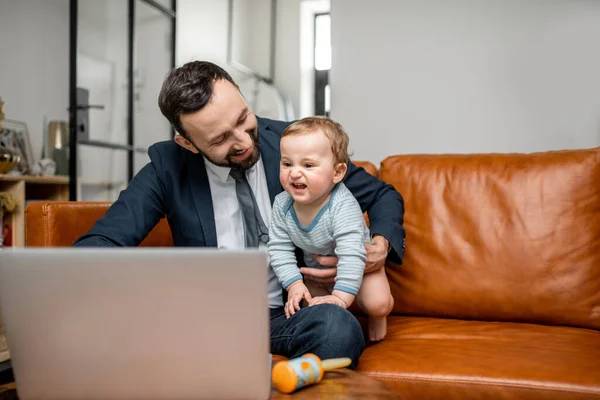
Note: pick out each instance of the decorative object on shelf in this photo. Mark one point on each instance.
(8, 159)
(15, 137)
(57, 145)
(44, 167)
(6, 236)
(8, 203)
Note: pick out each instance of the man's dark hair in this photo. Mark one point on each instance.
(187, 89)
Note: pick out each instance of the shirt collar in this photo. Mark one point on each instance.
(221, 172)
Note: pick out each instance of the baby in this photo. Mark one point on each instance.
(318, 214)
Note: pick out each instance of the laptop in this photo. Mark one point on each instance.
(137, 323)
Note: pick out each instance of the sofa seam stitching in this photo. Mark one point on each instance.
(46, 213)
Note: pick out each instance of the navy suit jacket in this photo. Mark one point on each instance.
(175, 184)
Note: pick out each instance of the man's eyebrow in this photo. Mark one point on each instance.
(217, 138)
(244, 112)
(220, 135)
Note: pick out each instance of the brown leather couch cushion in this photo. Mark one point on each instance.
(59, 224)
(368, 166)
(505, 237)
(430, 358)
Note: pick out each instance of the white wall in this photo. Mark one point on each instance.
(466, 75)
(202, 35)
(287, 51)
(251, 31)
(34, 66)
(201, 31)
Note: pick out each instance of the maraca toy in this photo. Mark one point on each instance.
(289, 376)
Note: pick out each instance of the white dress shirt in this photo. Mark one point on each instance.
(229, 221)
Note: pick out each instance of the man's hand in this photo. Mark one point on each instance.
(377, 252)
(296, 292)
(327, 300)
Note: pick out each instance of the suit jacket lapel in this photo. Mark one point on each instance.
(269, 146)
(202, 198)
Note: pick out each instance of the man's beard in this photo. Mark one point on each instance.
(245, 164)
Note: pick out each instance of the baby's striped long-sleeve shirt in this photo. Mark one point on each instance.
(339, 229)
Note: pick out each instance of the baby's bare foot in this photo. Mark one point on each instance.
(377, 328)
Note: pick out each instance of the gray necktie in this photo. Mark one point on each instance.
(255, 228)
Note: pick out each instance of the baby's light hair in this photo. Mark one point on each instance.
(333, 131)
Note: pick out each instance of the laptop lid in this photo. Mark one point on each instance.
(137, 323)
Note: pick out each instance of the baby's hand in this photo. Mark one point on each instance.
(296, 292)
(330, 299)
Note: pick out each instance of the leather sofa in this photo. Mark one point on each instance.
(499, 292)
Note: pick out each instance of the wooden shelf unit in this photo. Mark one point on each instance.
(27, 188)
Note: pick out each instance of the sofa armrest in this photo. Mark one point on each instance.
(60, 223)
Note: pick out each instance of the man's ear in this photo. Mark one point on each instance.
(339, 172)
(186, 144)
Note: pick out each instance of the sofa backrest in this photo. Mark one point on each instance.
(502, 237)
(60, 223)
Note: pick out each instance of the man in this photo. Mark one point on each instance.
(216, 182)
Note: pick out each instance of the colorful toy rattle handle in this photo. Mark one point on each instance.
(335, 363)
(289, 376)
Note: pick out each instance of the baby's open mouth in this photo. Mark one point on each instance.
(299, 185)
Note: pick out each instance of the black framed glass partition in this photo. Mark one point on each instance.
(120, 51)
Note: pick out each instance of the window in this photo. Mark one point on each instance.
(322, 63)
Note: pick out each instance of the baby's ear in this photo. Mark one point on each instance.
(340, 172)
